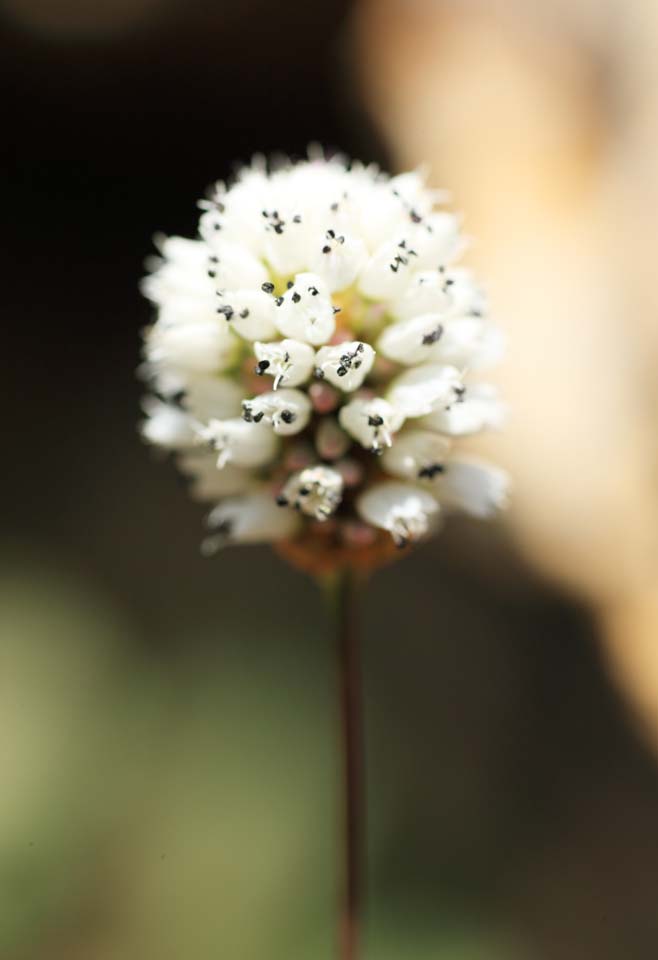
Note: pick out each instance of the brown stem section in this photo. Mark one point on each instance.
(345, 598)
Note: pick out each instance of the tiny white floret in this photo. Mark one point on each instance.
(287, 411)
(404, 510)
(290, 362)
(345, 365)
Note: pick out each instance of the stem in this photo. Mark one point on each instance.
(343, 594)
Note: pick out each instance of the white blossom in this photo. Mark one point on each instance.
(240, 443)
(315, 491)
(468, 342)
(181, 272)
(250, 313)
(423, 389)
(472, 486)
(290, 362)
(345, 365)
(372, 422)
(207, 483)
(252, 518)
(231, 267)
(479, 408)
(288, 411)
(425, 293)
(207, 397)
(412, 341)
(305, 311)
(416, 454)
(337, 258)
(201, 346)
(404, 510)
(387, 272)
(167, 425)
(321, 319)
(233, 215)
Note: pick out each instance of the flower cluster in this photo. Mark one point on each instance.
(308, 361)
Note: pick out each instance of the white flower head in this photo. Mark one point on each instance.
(313, 348)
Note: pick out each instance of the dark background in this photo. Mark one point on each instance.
(169, 771)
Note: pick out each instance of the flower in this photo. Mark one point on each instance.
(310, 360)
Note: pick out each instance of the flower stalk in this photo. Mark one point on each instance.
(343, 595)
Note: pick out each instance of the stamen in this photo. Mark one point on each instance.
(315, 491)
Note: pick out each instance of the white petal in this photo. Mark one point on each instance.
(416, 454)
(232, 266)
(345, 365)
(204, 346)
(420, 390)
(181, 272)
(166, 425)
(296, 213)
(420, 245)
(290, 362)
(472, 486)
(305, 311)
(253, 518)
(469, 342)
(411, 189)
(386, 274)
(250, 313)
(404, 510)
(426, 293)
(209, 398)
(286, 246)
(452, 292)
(337, 258)
(207, 483)
(376, 208)
(371, 421)
(287, 411)
(478, 409)
(239, 443)
(235, 215)
(412, 341)
(315, 491)
(465, 295)
(163, 381)
(437, 240)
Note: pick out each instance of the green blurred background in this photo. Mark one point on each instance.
(168, 755)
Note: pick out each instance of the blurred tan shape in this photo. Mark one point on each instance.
(521, 118)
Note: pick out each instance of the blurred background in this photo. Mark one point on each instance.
(167, 737)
